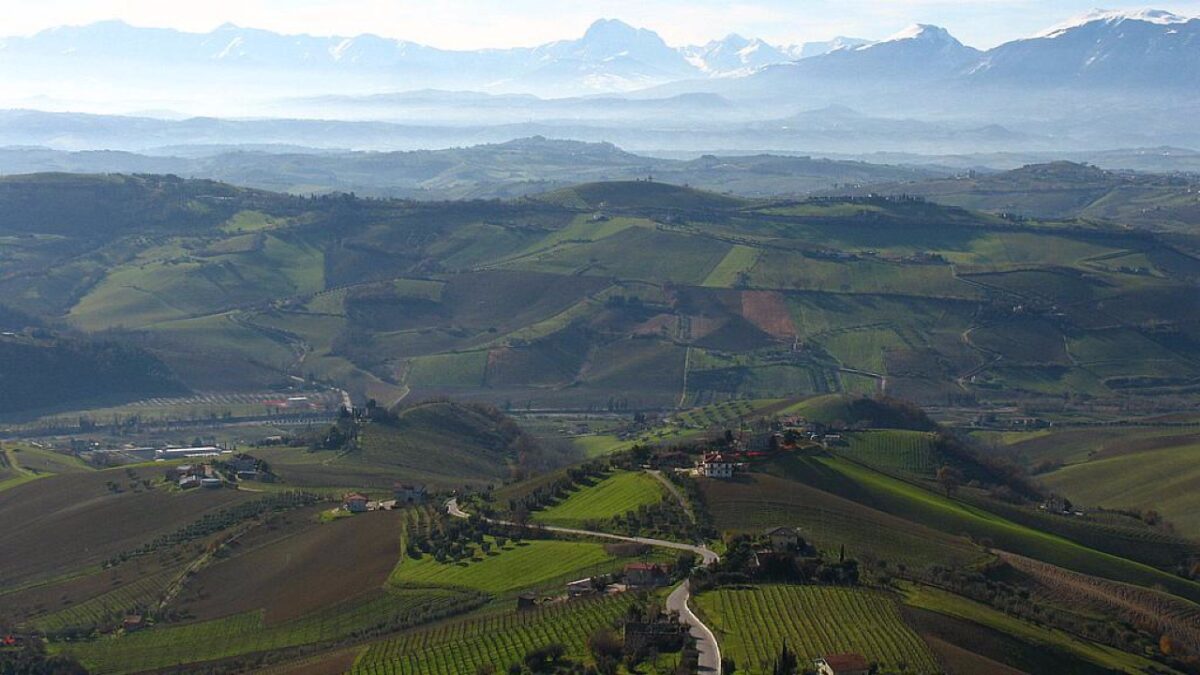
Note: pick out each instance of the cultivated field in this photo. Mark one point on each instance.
(612, 496)
(499, 640)
(754, 623)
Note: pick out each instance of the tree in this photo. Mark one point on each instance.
(606, 649)
(949, 478)
(785, 664)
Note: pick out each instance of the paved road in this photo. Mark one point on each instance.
(706, 642)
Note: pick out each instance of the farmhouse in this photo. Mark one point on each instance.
(133, 622)
(716, 465)
(783, 538)
(842, 664)
(355, 503)
(411, 493)
(646, 575)
(580, 587)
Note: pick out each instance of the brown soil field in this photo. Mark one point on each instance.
(64, 523)
(992, 646)
(958, 661)
(325, 664)
(317, 565)
(1151, 610)
(769, 311)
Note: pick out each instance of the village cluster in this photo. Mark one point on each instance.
(741, 450)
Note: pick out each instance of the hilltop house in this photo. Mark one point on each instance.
(646, 575)
(410, 493)
(716, 465)
(355, 502)
(842, 664)
(783, 538)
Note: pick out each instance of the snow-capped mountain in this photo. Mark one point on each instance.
(917, 54)
(808, 50)
(1143, 49)
(734, 55)
(1149, 49)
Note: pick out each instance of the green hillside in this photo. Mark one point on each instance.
(643, 292)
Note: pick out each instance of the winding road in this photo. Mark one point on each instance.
(677, 601)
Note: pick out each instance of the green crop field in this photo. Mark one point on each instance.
(167, 646)
(1163, 480)
(513, 568)
(863, 349)
(499, 640)
(910, 451)
(739, 260)
(755, 622)
(250, 221)
(612, 496)
(448, 370)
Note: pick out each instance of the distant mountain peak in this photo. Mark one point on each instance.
(1155, 16)
(923, 32)
(608, 29)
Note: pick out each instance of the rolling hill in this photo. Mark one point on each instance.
(640, 293)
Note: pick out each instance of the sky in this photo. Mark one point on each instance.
(473, 24)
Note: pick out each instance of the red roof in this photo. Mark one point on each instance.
(354, 496)
(649, 567)
(840, 662)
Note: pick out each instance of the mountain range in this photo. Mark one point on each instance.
(1103, 81)
(1149, 48)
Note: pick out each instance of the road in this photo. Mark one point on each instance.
(706, 642)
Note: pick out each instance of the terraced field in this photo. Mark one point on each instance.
(754, 623)
(161, 647)
(499, 640)
(612, 496)
(109, 607)
(952, 605)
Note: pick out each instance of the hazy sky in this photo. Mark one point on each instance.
(469, 24)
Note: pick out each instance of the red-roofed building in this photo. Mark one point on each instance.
(355, 503)
(716, 465)
(646, 575)
(843, 664)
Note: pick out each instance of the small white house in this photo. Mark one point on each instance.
(716, 465)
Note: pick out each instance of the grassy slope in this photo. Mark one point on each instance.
(1164, 480)
(516, 567)
(610, 497)
(920, 505)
